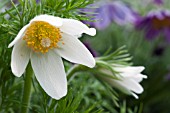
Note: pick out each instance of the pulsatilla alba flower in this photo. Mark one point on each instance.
(128, 79)
(44, 41)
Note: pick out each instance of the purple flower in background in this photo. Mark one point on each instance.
(156, 23)
(167, 77)
(110, 11)
(159, 2)
(37, 1)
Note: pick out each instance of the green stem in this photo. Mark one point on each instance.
(27, 89)
(74, 69)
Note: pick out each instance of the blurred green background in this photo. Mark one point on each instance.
(89, 95)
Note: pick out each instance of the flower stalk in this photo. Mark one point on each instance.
(77, 68)
(27, 89)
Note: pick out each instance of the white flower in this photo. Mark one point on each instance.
(44, 41)
(128, 79)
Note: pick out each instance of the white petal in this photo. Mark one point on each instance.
(49, 71)
(136, 96)
(55, 21)
(138, 78)
(76, 28)
(20, 58)
(19, 36)
(132, 85)
(117, 84)
(129, 71)
(125, 85)
(74, 51)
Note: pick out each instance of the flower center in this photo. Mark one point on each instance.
(161, 23)
(40, 36)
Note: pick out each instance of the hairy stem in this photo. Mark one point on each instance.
(74, 69)
(27, 89)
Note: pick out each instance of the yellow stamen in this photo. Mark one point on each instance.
(40, 36)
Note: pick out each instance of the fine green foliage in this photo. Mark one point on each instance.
(90, 96)
(86, 93)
